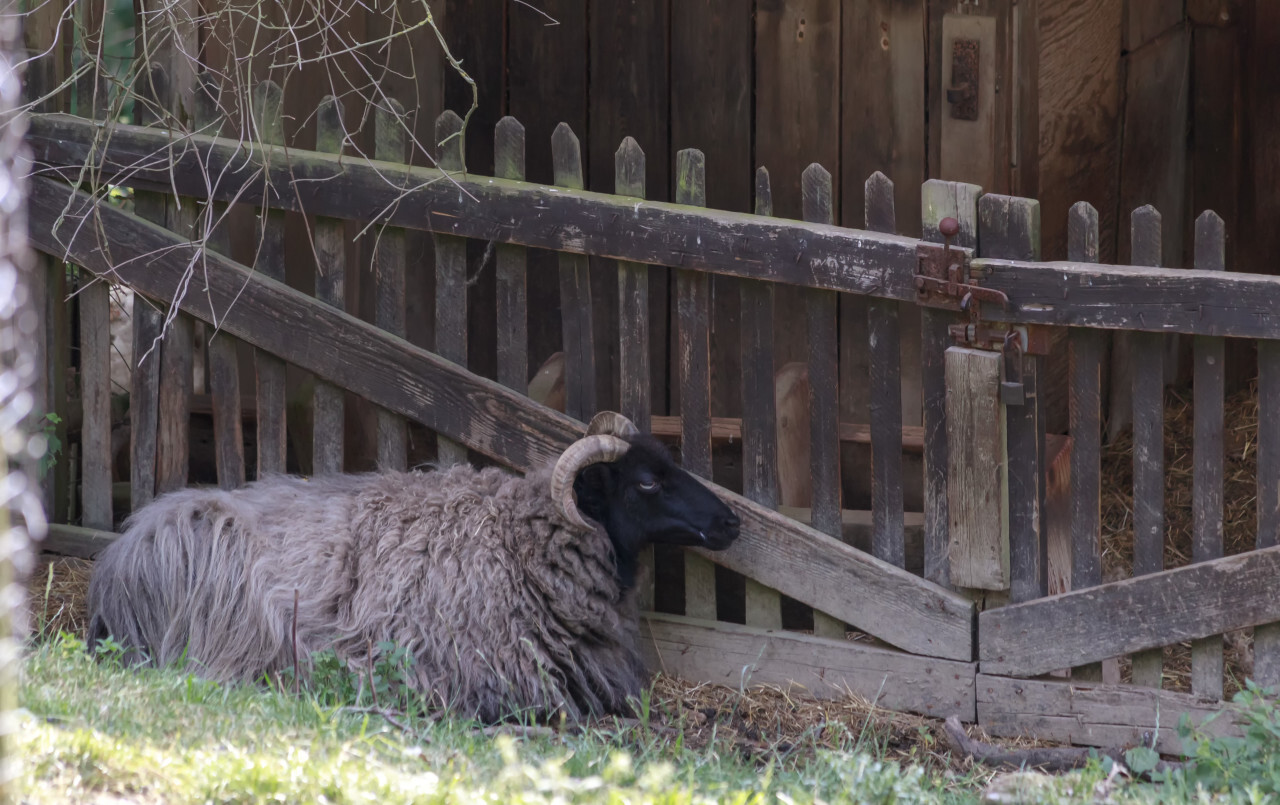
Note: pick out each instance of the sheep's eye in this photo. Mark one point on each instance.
(649, 485)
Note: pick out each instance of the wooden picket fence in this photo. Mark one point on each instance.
(972, 631)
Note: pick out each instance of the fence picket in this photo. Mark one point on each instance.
(885, 344)
(389, 282)
(824, 387)
(224, 363)
(633, 332)
(940, 200)
(268, 104)
(95, 395)
(1086, 429)
(512, 269)
(1266, 638)
(173, 454)
(763, 606)
(451, 279)
(331, 272)
(693, 310)
(1147, 350)
(1010, 229)
(577, 322)
(1209, 390)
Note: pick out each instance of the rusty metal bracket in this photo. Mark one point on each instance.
(942, 277)
(1033, 339)
(963, 92)
(1012, 389)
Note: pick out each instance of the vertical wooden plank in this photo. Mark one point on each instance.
(633, 331)
(627, 97)
(144, 387)
(95, 392)
(1010, 229)
(976, 502)
(547, 85)
(1153, 171)
(330, 247)
(883, 106)
(759, 413)
(451, 279)
(797, 121)
(576, 311)
(887, 516)
(1081, 80)
(823, 378)
(1266, 639)
(513, 345)
(633, 298)
(711, 101)
(1148, 439)
(95, 316)
(389, 281)
(824, 388)
(173, 420)
(1209, 353)
(224, 364)
(940, 200)
(693, 311)
(269, 261)
(1086, 428)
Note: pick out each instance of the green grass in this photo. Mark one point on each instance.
(91, 731)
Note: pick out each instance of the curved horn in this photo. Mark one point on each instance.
(612, 423)
(593, 449)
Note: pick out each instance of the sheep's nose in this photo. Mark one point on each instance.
(732, 521)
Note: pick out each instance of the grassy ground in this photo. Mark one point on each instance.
(91, 731)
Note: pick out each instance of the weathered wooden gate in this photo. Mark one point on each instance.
(928, 650)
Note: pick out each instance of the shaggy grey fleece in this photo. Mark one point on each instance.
(502, 606)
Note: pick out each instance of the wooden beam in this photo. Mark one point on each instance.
(1084, 626)
(1111, 716)
(885, 601)
(527, 214)
(741, 656)
(524, 213)
(73, 540)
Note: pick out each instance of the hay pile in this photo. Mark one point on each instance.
(1240, 517)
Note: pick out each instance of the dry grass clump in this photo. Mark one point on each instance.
(58, 595)
(1239, 513)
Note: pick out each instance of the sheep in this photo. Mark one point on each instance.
(511, 594)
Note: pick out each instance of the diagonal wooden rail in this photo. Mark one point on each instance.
(883, 600)
(631, 229)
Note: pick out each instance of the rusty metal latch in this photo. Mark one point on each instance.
(943, 281)
(963, 92)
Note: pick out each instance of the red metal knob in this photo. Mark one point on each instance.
(949, 227)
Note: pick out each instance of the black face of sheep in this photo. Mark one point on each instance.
(641, 497)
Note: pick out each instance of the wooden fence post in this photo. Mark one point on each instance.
(331, 273)
(885, 345)
(693, 310)
(1266, 638)
(633, 333)
(268, 103)
(512, 269)
(940, 200)
(1010, 229)
(1208, 410)
(389, 282)
(451, 280)
(824, 388)
(1086, 345)
(1147, 350)
(575, 291)
(763, 606)
(224, 365)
